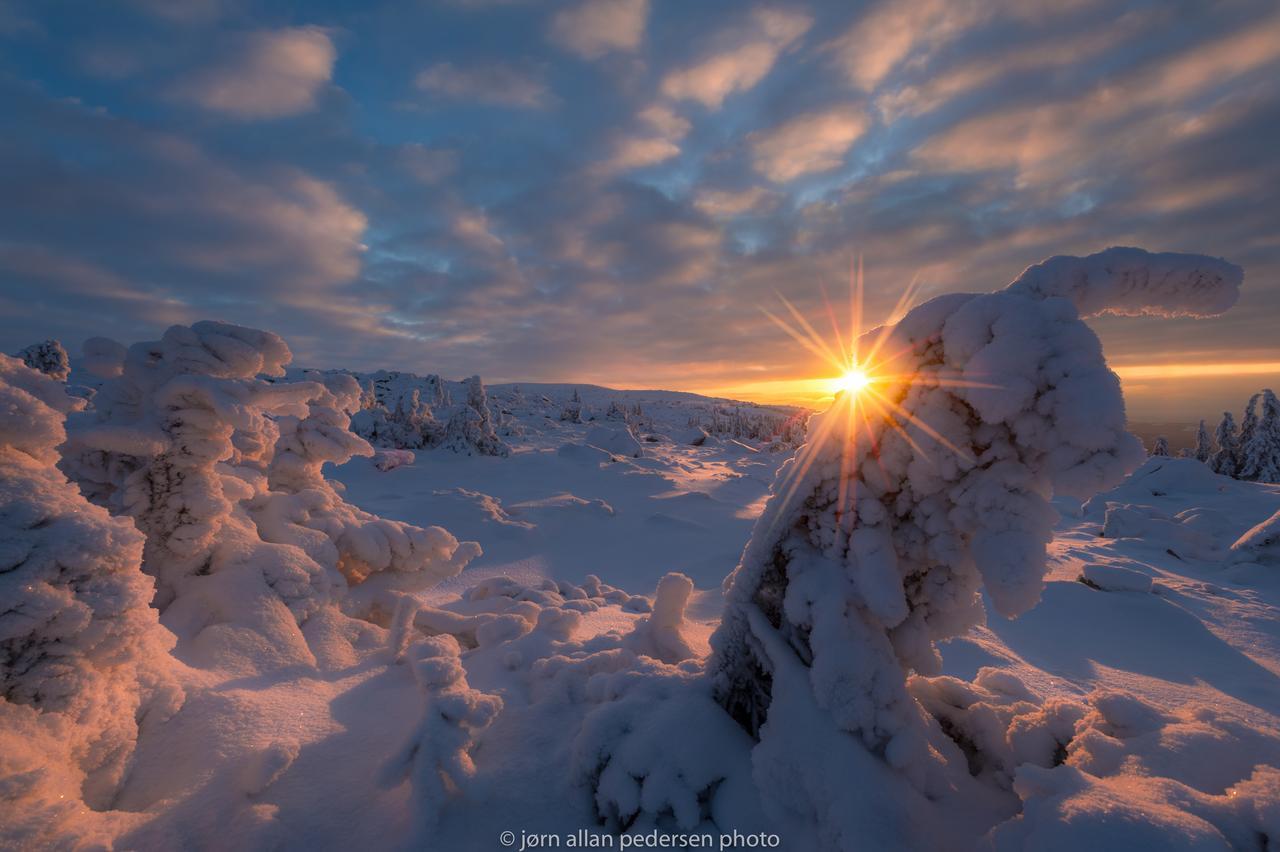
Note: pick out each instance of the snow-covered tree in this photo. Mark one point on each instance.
(221, 470)
(1204, 447)
(1261, 455)
(1249, 422)
(48, 357)
(1160, 447)
(417, 413)
(1226, 460)
(881, 533)
(82, 654)
(571, 411)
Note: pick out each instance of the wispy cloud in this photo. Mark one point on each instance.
(266, 74)
(807, 143)
(490, 83)
(592, 28)
(754, 49)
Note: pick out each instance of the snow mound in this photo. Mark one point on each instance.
(1162, 477)
(564, 502)
(1115, 578)
(1260, 544)
(385, 460)
(616, 440)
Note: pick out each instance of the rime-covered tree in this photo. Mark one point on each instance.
(571, 411)
(82, 654)
(1204, 447)
(1160, 447)
(1249, 422)
(1226, 460)
(1261, 455)
(881, 534)
(48, 357)
(220, 470)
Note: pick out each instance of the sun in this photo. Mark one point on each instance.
(853, 381)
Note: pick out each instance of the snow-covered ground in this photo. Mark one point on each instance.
(1200, 647)
(323, 666)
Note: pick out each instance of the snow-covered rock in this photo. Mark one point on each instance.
(1115, 578)
(391, 459)
(1260, 544)
(617, 440)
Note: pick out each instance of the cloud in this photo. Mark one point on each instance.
(427, 165)
(491, 83)
(660, 128)
(1015, 62)
(665, 121)
(593, 28)
(269, 74)
(893, 31)
(740, 67)
(727, 203)
(811, 142)
(122, 229)
(635, 152)
(1053, 140)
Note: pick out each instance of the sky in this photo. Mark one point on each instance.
(616, 191)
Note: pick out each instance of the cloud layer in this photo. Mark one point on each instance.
(611, 190)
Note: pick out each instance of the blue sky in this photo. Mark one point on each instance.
(611, 190)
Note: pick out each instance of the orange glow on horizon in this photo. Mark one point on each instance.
(819, 392)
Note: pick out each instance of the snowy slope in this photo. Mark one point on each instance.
(1202, 649)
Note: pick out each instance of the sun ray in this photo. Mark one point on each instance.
(869, 390)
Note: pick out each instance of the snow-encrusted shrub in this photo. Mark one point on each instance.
(884, 528)
(1160, 447)
(436, 759)
(82, 654)
(48, 357)
(221, 470)
(376, 556)
(412, 413)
